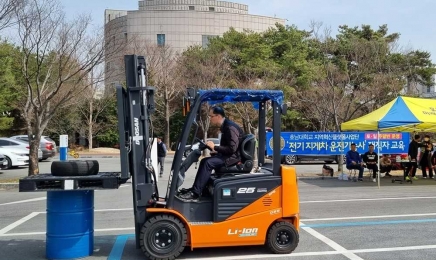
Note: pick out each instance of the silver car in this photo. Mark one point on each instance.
(47, 145)
(16, 143)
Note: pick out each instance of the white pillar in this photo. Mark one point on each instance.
(63, 147)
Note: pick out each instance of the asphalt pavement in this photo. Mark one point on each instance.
(339, 220)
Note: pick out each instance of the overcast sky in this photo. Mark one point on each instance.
(414, 20)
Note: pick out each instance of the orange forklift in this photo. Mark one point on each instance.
(243, 205)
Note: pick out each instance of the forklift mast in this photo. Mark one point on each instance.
(135, 104)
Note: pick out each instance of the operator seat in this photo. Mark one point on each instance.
(247, 147)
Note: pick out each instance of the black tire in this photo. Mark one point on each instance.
(168, 228)
(9, 165)
(282, 238)
(74, 168)
(291, 159)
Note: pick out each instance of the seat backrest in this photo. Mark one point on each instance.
(247, 147)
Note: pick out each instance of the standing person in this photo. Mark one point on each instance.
(386, 165)
(227, 153)
(354, 161)
(425, 158)
(371, 160)
(413, 155)
(433, 163)
(161, 154)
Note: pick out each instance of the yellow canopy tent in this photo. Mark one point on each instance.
(403, 114)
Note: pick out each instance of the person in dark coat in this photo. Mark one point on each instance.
(354, 161)
(413, 155)
(371, 160)
(425, 158)
(161, 154)
(225, 154)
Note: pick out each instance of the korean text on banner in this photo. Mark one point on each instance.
(335, 143)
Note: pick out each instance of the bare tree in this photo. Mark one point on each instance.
(7, 11)
(162, 70)
(57, 56)
(162, 73)
(92, 105)
(204, 69)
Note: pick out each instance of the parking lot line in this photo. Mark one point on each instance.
(321, 253)
(368, 223)
(17, 223)
(43, 233)
(370, 217)
(24, 201)
(330, 243)
(118, 248)
(375, 199)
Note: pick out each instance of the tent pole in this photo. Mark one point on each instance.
(378, 155)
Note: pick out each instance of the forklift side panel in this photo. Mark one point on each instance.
(233, 196)
(245, 231)
(291, 203)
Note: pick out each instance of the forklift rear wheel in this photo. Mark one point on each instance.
(163, 237)
(282, 238)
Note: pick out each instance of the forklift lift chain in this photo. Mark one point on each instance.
(282, 238)
(163, 237)
(74, 168)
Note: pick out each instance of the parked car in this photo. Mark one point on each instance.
(47, 145)
(15, 156)
(3, 161)
(189, 148)
(17, 143)
(292, 159)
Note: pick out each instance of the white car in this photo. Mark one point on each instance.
(17, 143)
(15, 156)
(3, 161)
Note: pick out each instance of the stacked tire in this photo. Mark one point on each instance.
(75, 168)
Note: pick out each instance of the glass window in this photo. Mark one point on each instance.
(161, 39)
(192, 8)
(205, 40)
(211, 9)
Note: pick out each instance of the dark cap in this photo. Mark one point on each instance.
(353, 144)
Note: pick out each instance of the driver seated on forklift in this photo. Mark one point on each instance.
(227, 153)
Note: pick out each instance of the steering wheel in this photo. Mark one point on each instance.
(203, 143)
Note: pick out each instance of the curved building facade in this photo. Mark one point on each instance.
(177, 24)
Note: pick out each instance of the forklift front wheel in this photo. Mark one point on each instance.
(163, 237)
(282, 238)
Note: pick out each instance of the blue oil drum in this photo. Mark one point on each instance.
(70, 224)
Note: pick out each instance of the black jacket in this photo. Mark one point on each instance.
(413, 149)
(231, 136)
(370, 157)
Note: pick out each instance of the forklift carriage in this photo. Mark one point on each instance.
(238, 196)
